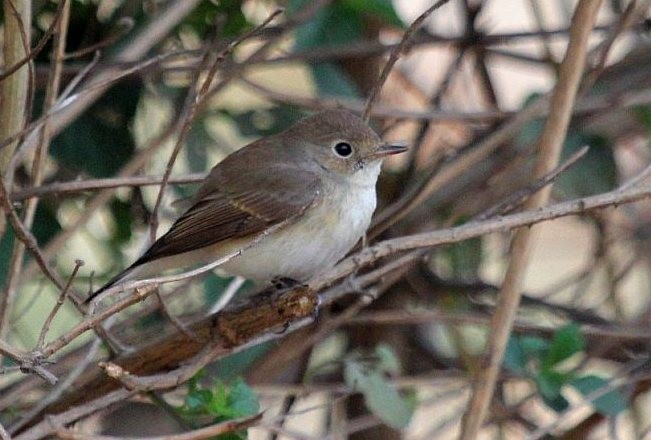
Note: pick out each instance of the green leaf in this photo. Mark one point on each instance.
(6, 247)
(231, 366)
(595, 173)
(198, 399)
(533, 346)
(243, 401)
(567, 342)
(219, 404)
(465, 258)
(610, 404)
(550, 383)
(335, 25)
(123, 219)
(99, 142)
(558, 403)
(46, 224)
(204, 15)
(514, 356)
(521, 349)
(382, 9)
(197, 142)
(643, 114)
(331, 80)
(381, 399)
(387, 360)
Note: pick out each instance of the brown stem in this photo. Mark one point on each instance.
(549, 147)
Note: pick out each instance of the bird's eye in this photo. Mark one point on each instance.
(343, 149)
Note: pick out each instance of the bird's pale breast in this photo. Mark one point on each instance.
(324, 234)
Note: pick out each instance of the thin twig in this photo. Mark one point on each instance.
(521, 196)
(6, 73)
(4, 435)
(549, 146)
(60, 388)
(125, 25)
(434, 102)
(54, 81)
(634, 11)
(206, 432)
(638, 179)
(27, 238)
(395, 54)
(176, 322)
(227, 295)
(76, 186)
(49, 425)
(357, 106)
(26, 363)
(151, 34)
(142, 289)
(590, 398)
(57, 306)
(193, 103)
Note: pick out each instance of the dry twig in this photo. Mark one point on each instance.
(206, 432)
(395, 54)
(549, 148)
(57, 306)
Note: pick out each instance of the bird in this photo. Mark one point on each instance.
(310, 188)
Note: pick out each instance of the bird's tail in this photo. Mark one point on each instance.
(127, 274)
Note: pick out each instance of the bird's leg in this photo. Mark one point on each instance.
(285, 283)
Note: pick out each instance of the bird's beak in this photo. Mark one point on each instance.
(387, 150)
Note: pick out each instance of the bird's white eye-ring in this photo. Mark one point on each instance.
(343, 149)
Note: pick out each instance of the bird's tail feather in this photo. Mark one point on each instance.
(125, 275)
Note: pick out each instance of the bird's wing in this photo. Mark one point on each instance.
(236, 206)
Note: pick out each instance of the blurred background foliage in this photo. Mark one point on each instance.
(453, 280)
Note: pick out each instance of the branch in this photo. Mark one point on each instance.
(475, 229)
(267, 317)
(26, 237)
(76, 186)
(57, 306)
(395, 54)
(49, 425)
(7, 72)
(549, 147)
(206, 432)
(38, 163)
(134, 48)
(14, 89)
(60, 388)
(27, 363)
(259, 319)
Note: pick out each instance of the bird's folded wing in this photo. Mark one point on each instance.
(236, 208)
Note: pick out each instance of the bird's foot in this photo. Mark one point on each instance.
(282, 284)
